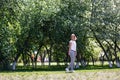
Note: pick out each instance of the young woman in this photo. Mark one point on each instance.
(72, 53)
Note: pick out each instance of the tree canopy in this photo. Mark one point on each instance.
(43, 28)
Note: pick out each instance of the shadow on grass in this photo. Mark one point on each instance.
(54, 68)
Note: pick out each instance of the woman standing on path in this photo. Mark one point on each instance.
(72, 53)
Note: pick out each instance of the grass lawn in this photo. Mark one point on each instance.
(58, 73)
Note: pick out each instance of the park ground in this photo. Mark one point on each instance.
(58, 73)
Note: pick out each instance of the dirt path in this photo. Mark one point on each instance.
(93, 75)
(84, 76)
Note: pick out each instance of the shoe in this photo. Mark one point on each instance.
(72, 71)
(67, 70)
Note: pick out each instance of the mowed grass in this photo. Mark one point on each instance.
(58, 73)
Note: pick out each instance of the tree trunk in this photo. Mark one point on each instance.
(50, 54)
(43, 57)
(93, 60)
(116, 57)
(15, 61)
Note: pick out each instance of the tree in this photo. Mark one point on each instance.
(104, 24)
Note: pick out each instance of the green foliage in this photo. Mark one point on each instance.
(29, 25)
(9, 30)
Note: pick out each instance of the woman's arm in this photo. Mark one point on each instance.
(75, 53)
